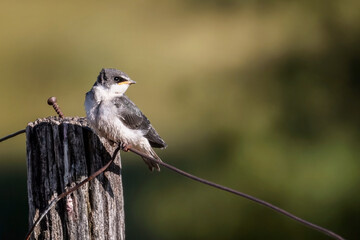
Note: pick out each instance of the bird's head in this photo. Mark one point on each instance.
(114, 80)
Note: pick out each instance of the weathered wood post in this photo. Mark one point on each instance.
(60, 154)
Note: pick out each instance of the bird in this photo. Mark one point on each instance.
(112, 115)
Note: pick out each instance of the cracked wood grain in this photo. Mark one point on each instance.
(60, 154)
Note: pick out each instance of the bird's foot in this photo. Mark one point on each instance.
(112, 143)
(125, 147)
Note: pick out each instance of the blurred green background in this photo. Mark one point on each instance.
(261, 96)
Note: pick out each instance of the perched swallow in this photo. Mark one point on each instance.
(112, 115)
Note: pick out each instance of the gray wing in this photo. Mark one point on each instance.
(133, 118)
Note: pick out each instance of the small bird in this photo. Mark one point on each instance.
(112, 115)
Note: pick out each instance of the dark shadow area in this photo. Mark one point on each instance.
(13, 201)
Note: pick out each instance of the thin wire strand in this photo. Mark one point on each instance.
(12, 135)
(188, 175)
(64, 194)
(244, 195)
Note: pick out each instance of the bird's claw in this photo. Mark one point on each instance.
(125, 147)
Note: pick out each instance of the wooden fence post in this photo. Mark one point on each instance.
(60, 154)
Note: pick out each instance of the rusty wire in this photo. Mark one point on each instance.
(183, 173)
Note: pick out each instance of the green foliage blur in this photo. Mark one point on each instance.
(261, 96)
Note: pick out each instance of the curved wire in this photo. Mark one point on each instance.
(244, 195)
(62, 195)
(188, 175)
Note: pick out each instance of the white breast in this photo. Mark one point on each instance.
(103, 119)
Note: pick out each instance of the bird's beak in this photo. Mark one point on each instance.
(127, 82)
(131, 82)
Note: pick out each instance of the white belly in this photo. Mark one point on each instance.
(103, 119)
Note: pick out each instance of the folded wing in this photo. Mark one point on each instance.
(133, 118)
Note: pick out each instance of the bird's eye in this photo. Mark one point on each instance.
(117, 79)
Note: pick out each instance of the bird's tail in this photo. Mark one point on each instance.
(152, 165)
